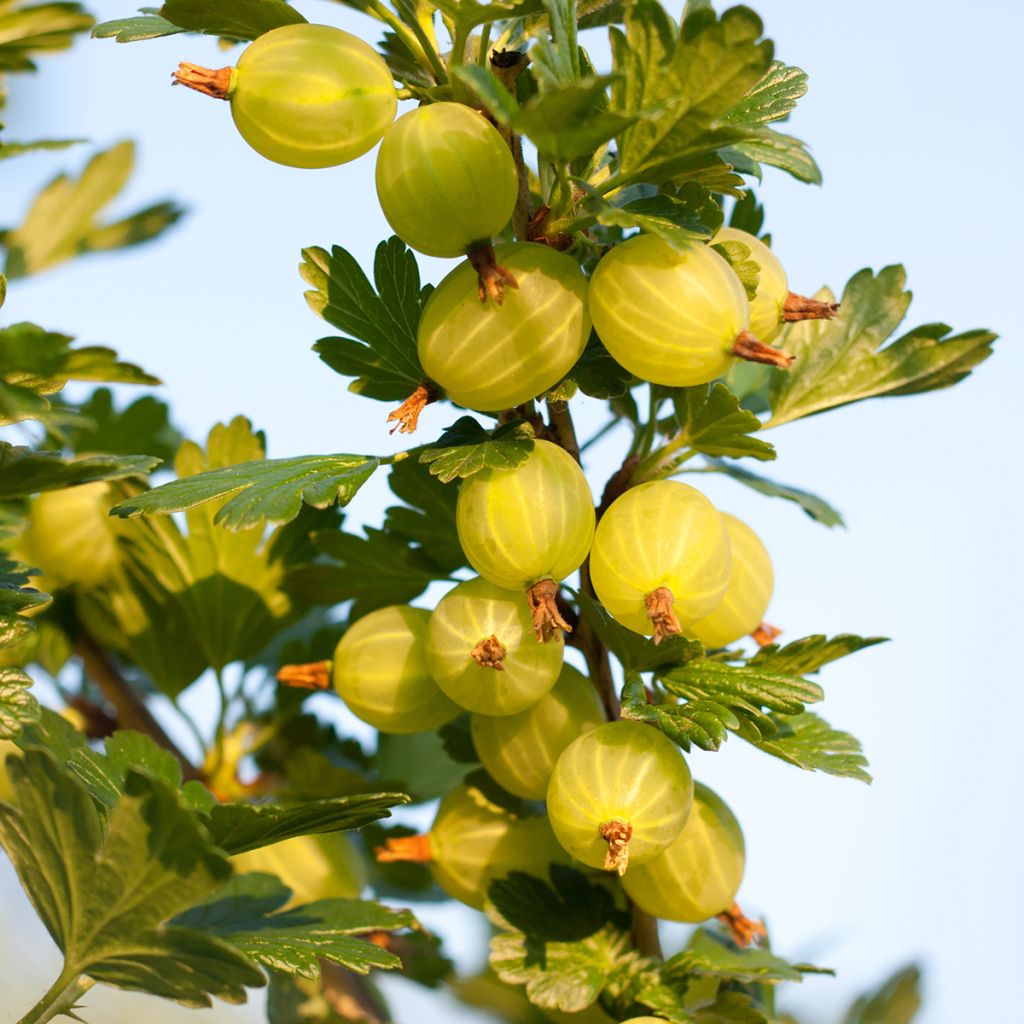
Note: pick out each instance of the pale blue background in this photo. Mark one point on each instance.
(914, 116)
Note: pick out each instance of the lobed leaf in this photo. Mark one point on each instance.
(896, 1001)
(231, 19)
(773, 97)
(809, 742)
(148, 24)
(18, 707)
(27, 30)
(24, 472)
(811, 652)
(466, 448)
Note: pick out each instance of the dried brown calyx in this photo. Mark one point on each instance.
(663, 618)
(489, 653)
(744, 932)
(492, 278)
(215, 83)
(547, 618)
(415, 849)
(765, 634)
(407, 416)
(746, 346)
(617, 834)
(316, 675)
(800, 307)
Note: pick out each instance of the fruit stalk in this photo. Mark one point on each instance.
(407, 416)
(210, 82)
(800, 307)
(492, 278)
(507, 66)
(748, 347)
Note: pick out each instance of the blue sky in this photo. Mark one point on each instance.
(913, 115)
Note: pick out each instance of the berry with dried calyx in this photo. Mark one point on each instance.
(473, 841)
(304, 95)
(520, 751)
(699, 874)
(381, 672)
(446, 180)
(529, 525)
(742, 608)
(619, 794)
(491, 357)
(661, 558)
(673, 318)
(482, 653)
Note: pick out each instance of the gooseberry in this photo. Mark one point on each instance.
(481, 651)
(699, 874)
(619, 794)
(492, 357)
(380, 670)
(661, 558)
(446, 179)
(742, 608)
(767, 306)
(519, 751)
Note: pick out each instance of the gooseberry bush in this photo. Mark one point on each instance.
(585, 643)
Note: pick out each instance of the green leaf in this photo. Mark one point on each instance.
(144, 426)
(24, 471)
(737, 255)
(747, 215)
(847, 359)
(10, 149)
(27, 30)
(15, 596)
(809, 742)
(681, 84)
(380, 319)
(817, 508)
(773, 97)
(745, 687)
(895, 1002)
(466, 448)
(556, 55)
(247, 913)
(146, 25)
(264, 490)
(18, 707)
(684, 220)
(236, 828)
(64, 218)
(811, 652)
(418, 764)
(105, 887)
(783, 151)
(708, 956)
(597, 374)
(232, 19)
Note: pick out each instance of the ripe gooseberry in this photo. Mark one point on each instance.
(473, 841)
(619, 794)
(698, 876)
(492, 357)
(670, 317)
(661, 558)
(314, 867)
(304, 95)
(380, 670)
(481, 651)
(519, 751)
(7, 795)
(446, 179)
(746, 598)
(528, 527)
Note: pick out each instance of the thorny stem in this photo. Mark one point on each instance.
(407, 416)
(507, 66)
(61, 997)
(210, 82)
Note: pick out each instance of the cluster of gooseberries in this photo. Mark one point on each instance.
(503, 328)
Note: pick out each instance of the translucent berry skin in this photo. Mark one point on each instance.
(71, 537)
(491, 357)
(473, 842)
(472, 612)
(746, 598)
(699, 875)
(314, 867)
(7, 794)
(380, 671)
(519, 751)
(530, 523)
(772, 286)
(668, 317)
(311, 96)
(620, 770)
(660, 534)
(446, 179)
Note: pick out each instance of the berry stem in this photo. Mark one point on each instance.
(800, 307)
(407, 416)
(414, 849)
(492, 278)
(314, 675)
(746, 346)
(214, 83)
(490, 653)
(507, 66)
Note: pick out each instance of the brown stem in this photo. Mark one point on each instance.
(744, 932)
(536, 233)
(594, 650)
(617, 834)
(315, 675)
(351, 995)
(547, 619)
(765, 634)
(489, 653)
(618, 483)
(746, 346)
(96, 723)
(659, 609)
(205, 80)
(800, 307)
(492, 278)
(415, 849)
(645, 933)
(407, 415)
(132, 711)
(561, 426)
(507, 66)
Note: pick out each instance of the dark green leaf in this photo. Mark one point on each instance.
(747, 215)
(380, 318)
(712, 172)
(708, 956)
(741, 686)
(597, 374)
(16, 595)
(737, 255)
(809, 742)
(141, 427)
(146, 25)
(683, 220)
(773, 97)
(24, 471)
(417, 763)
(783, 151)
(466, 448)
(847, 359)
(232, 19)
(896, 1002)
(18, 707)
(811, 652)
